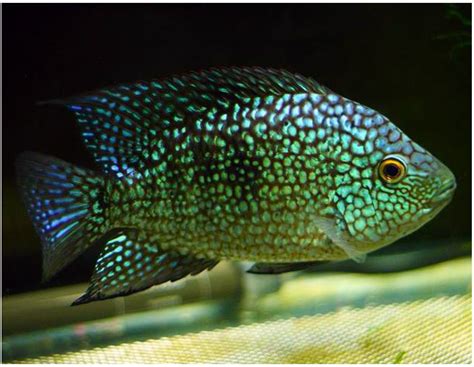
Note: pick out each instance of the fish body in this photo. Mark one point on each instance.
(239, 163)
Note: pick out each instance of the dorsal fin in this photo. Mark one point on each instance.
(123, 126)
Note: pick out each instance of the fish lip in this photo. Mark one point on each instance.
(445, 193)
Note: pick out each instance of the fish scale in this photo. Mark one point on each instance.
(246, 164)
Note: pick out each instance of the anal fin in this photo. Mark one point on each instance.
(279, 268)
(129, 264)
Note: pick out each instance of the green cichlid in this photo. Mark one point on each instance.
(247, 164)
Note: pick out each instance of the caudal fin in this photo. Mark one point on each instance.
(66, 205)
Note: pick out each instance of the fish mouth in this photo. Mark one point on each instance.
(445, 193)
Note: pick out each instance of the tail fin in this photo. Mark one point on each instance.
(66, 205)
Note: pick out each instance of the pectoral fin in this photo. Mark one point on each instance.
(129, 263)
(358, 257)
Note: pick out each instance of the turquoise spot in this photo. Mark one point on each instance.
(332, 98)
(261, 113)
(368, 211)
(378, 119)
(295, 111)
(298, 98)
(307, 107)
(315, 98)
(349, 216)
(357, 148)
(349, 107)
(357, 119)
(346, 157)
(321, 134)
(359, 224)
(346, 141)
(341, 207)
(343, 167)
(311, 136)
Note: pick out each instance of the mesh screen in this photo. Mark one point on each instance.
(437, 330)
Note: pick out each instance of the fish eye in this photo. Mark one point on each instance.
(392, 170)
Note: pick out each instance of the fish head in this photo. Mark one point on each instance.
(390, 188)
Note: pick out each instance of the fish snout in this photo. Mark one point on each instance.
(445, 192)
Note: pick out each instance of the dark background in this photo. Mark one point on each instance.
(409, 62)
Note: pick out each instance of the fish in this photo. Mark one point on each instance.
(235, 163)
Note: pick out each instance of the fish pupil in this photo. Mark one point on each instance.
(391, 170)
